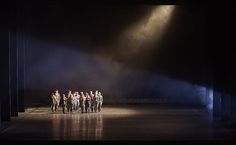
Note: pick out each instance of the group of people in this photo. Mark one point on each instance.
(88, 102)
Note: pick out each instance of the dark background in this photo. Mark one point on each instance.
(72, 45)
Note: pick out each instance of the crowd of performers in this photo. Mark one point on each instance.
(88, 102)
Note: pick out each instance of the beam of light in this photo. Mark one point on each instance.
(206, 96)
(147, 30)
(119, 82)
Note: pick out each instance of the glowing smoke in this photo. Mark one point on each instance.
(147, 31)
(62, 68)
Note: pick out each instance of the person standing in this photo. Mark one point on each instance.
(82, 101)
(88, 103)
(58, 98)
(64, 103)
(92, 101)
(69, 101)
(96, 101)
(77, 100)
(53, 102)
(100, 101)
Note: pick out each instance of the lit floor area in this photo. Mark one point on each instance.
(116, 122)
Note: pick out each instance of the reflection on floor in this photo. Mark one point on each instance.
(124, 122)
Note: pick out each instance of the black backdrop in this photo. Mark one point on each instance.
(73, 46)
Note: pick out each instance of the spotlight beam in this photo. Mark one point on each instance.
(147, 30)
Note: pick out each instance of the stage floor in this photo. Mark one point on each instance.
(116, 122)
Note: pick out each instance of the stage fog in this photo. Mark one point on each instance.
(132, 54)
